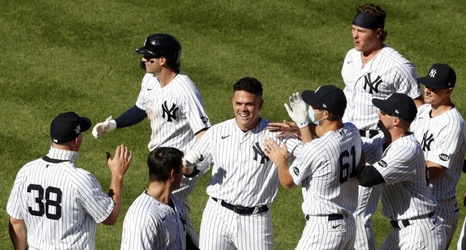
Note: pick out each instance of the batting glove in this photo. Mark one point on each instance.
(192, 158)
(298, 110)
(104, 127)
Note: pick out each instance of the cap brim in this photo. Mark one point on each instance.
(85, 123)
(429, 82)
(308, 97)
(144, 51)
(379, 103)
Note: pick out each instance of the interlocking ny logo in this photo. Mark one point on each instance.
(169, 113)
(372, 85)
(426, 141)
(258, 152)
(432, 73)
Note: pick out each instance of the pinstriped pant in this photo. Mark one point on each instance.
(427, 233)
(224, 229)
(320, 233)
(449, 212)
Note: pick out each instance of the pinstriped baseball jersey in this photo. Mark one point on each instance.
(242, 174)
(443, 140)
(59, 203)
(150, 224)
(326, 170)
(405, 194)
(386, 73)
(176, 111)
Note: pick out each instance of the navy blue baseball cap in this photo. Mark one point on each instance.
(440, 76)
(399, 105)
(67, 127)
(326, 97)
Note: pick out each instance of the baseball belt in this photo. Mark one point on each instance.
(242, 210)
(370, 133)
(331, 217)
(405, 223)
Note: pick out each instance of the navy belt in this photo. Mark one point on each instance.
(368, 133)
(331, 217)
(405, 223)
(243, 210)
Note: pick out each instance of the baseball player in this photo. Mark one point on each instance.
(326, 168)
(370, 70)
(155, 219)
(54, 204)
(244, 180)
(440, 129)
(173, 105)
(406, 197)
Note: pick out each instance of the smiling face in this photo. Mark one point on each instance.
(437, 97)
(246, 107)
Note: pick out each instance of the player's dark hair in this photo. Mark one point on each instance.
(161, 161)
(375, 11)
(248, 84)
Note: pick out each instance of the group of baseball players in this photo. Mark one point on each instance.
(378, 138)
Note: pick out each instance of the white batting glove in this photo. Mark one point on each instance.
(192, 158)
(104, 127)
(298, 111)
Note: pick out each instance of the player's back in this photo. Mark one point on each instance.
(56, 200)
(332, 176)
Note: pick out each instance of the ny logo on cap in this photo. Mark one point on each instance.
(432, 73)
(77, 129)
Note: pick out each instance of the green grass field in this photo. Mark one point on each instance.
(79, 55)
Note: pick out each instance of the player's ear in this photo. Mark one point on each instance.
(396, 121)
(261, 103)
(448, 92)
(172, 174)
(379, 33)
(326, 114)
(162, 60)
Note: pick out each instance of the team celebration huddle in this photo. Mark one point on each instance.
(387, 136)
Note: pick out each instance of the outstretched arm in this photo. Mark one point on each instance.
(131, 117)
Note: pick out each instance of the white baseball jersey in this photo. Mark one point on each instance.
(59, 203)
(406, 193)
(242, 175)
(239, 161)
(176, 112)
(388, 72)
(326, 169)
(150, 224)
(407, 198)
(443, 140)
